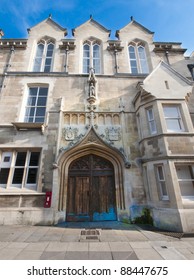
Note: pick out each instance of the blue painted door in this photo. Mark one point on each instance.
(91, 190)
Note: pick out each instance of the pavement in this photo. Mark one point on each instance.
(92, 241)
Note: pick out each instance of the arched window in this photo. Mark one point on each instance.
(44, 57)
(91, 57)
(138, 59)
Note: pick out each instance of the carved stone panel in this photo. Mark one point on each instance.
(113, 133)
(70, 133)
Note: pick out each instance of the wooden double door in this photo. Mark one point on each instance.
(91, 190)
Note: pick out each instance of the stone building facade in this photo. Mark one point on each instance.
(95, 129)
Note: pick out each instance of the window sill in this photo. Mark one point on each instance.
(28, 126)
(19, 191)
(188, 199)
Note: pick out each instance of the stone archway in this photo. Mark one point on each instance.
(91, 144)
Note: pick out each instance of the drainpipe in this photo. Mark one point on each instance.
(66, 59)
(116, 64)
(7, 66)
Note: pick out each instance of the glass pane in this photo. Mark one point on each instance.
(50, 50)
(43, 91)
(144, 66)
(96, 51)
(41, 101)
(29, 119)
(40, 111)
(153, 126)
(37, 65)
(186, 188)
(141, 52)
(48, 61)
(29, 112)
(34, 159)
(20, 159)
(86, 65)
(40, 49)
(4, 174)
(132, 53)
(134, 70)
(163, 188)
(31, 101)
(86, 51)
(47, 69)
(160, 173)
(173, 125)
(96, 66)
(39, 120)
(150, 114)
(50, 46)
(33, 91)
(32, 175)
(171, 112)
(18, 176)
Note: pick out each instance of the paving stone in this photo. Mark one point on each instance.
(169, 253)
(9, 253)
(4, 244)
(186, 253)
(57, 246)
(99, 247)
(120, 246)
(147, 254)
(140, 245)
(124, 255)
(81, 255)
(37, 246)
(74, 246)
(25, 235)
(28, 255)
(179, 244)
(96, 255)
(54, 255)
(70, 238)
(19, 245)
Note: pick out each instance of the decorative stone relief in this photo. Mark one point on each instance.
(113, 133)
(70, 133)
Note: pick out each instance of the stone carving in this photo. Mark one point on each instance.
(70, 133)
(113, 133)
(92, 87)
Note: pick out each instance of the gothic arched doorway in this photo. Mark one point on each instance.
(91, 190)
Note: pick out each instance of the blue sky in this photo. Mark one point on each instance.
(171, 20)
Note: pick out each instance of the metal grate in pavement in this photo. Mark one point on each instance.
(90, 232)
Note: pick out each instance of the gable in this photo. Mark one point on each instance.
(90, 28)
(165, 82)
(46, 26)
(134, 27)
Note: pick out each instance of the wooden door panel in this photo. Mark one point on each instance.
(103, 206)
(78, 202)
(91, 190)
(81, 196)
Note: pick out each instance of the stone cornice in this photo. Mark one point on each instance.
(16, 43)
